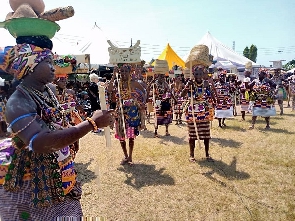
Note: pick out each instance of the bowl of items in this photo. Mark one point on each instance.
(30, 27)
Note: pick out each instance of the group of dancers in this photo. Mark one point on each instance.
(197, 100)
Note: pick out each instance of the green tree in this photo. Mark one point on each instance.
(246, 52)
(290, 65)
(253, 53)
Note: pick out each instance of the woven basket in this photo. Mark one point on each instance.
(199, 55)
(248, 65)
(161, 67)
(62, 70)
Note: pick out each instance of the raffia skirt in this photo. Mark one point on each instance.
(16, 206)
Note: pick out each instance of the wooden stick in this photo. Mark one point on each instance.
(194, 119)
(155, 111)
(103, 104)
(121, 105)
(193, 109)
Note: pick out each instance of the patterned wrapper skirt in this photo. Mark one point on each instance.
(131, 132)
(178, 108)
(203, 129)
(16, 206)
(164, 117)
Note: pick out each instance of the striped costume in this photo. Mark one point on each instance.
(224, 108)
(164, 112)
(203, 112)
(178, 106)
(244, 97)
(292, 91)
(264, 99)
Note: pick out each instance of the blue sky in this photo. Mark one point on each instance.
(268, 24)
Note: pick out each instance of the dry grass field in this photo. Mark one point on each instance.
(252, 178)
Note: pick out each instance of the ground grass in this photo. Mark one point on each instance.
(252, 178)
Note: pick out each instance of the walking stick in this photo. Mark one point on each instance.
(103, 104)
(155, 111)
(193, 109)
(121, 105)
(289, 93)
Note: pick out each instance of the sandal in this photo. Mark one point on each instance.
(130, 163)
(251, 127)
(167, 134)
(192, 160)
(209, 159)
(124, 161)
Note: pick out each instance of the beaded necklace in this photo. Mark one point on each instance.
(198, 90)
(51, 110)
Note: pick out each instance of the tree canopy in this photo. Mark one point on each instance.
(290, 65)
(251, 53)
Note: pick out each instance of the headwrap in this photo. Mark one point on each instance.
(40, 41)
(22, 59)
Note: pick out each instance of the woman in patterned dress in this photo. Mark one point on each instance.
(37, 173)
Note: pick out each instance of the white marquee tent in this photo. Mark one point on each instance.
(97, 46)
(223, 54)
(94, 43)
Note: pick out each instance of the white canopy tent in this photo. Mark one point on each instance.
(97, 46)
(94, 43)
(221, 52)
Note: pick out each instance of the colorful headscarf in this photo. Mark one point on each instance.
(22, 59)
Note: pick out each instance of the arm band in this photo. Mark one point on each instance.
(31, 142)
(21, 117)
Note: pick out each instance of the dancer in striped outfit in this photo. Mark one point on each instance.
(177, 87)
(263, 93)
(163, 103)
(224, 106)
(202, 108)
